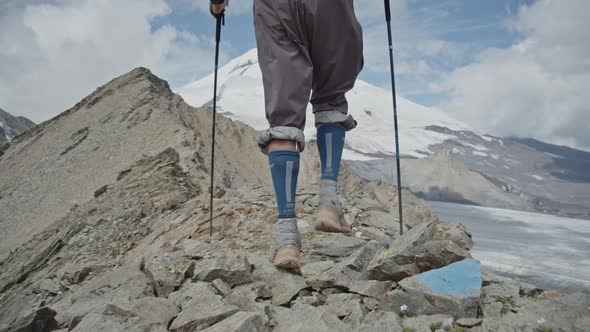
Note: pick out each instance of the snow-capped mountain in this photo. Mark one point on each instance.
(504, 172)
(11, 126)
(447, 160)
(241, 97)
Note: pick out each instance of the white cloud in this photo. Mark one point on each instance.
(235, 8)
(53, 55)
(538, 86)
(370, 10)
(420, 56)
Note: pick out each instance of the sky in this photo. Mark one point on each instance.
(506, 67)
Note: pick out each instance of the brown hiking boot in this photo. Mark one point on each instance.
(287, 257)
(329, 219)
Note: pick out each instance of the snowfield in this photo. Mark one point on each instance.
(546, 250)
(241, 97)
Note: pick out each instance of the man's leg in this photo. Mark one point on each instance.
(287, 78)
(284, 167)
(287, 71)
(330, 145)
(337, 57)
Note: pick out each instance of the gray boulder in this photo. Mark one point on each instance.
(428, 323)
(371, 288)
(148, 309)
(42, 319)
(360, 259)
(241, 322)
(118, 286)
(284, 285)
(221, 287)
(167, 271)
(549, 311)
(381, 321)
(72, 274)
(50, 285)
(454, 290)
(244, 303)
(424, 247)
(326, 274)
(233, 268)
(349, 274)
(113, 323)
(314, 299)
(469, 322)
(501, 295)
(336, 245)
(347, 307)
(200, 307)
(101, 322)
(303, 318)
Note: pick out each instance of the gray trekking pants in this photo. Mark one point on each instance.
(306, 45)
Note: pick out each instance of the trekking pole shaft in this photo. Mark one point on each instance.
(217, 40)
(397, 157)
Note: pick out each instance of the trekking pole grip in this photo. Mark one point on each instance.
(387, 11)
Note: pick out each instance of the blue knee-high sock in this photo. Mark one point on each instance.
(330, 146)
(284, 168)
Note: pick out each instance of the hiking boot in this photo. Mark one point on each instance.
(329, 219)
(287, 257)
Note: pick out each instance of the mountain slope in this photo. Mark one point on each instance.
(441, 177)
(522, 174)
(60, 163)
(66, 161)
(11, 126)
(241, 97)
(551, 179)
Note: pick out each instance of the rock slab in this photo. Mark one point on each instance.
(453, 290)
(233, 268)
(425, 247)
(240, 322)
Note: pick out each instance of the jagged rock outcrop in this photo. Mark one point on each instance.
(425, 247)
(11, 126)
(134, 252)
(62, 162)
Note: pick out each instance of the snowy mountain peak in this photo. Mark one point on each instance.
(241, 97)
(243, 62)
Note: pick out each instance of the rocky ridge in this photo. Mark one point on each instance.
(136, 254)
(138, 257)
(62, 162)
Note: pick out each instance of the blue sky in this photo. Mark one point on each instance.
(505, 67)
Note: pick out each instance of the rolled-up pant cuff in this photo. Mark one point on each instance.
(335, 117)
(264, 137)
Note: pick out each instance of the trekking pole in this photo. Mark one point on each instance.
(399, 177)
(220, 20)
